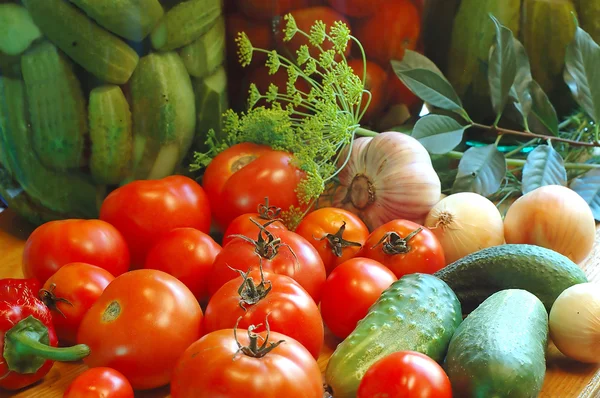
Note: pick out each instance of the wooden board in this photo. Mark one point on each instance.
(564, 378)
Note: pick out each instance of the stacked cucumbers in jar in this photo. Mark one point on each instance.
(97, 93)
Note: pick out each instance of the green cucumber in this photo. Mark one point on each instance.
(164, 114)
(110, 134)
(204, 56)
(538, 270)
(56, 107)
(98, 51)
(130, 19)
(69, 194)
(499, 349)
(184, 23)
(211, 103)
(419, 312)
(17, 30)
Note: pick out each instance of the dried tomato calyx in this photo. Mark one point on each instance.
(337, 242)
(393, 243)
(253, 349)
(251, 293)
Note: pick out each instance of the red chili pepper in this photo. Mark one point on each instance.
(27, 338)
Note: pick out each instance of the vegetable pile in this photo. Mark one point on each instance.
(306, 226)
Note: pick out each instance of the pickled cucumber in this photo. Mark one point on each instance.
(98, 51)
(206, 54)
(211, 103)
(131, 19)
(17, 30)
(164, 114)
(56, 107)
(110, 134)
(184, 23)
(62, 193)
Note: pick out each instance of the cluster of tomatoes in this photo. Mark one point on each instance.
(385, 28)
(159, 301)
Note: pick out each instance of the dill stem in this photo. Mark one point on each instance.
(363, 132)
(521, 162)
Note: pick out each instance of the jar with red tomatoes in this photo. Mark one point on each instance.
(385, 29)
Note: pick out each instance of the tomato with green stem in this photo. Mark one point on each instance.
(337, 234)
(405, 247)
(267, 215)
(291, 310)
(100, 382)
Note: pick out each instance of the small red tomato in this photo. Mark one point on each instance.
(188, 255)
(56, 243)
(143, 210)
(248, 299)
(359, 281)
(70, 293)
(405, 374)
(337, 234)
(246, 224)
(100, 382)
(405, 247)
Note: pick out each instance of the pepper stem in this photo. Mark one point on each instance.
(26, 347)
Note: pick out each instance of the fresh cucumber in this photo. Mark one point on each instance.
(538, 270)
(130, 19)
(499, 349)
(184, 23)
(98, 51)
(56, 107)
(419, 312)
(110, 134)
(204, 56)
(17, 30)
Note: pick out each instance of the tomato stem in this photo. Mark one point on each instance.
(50, 300)
(253, 349)
(337, 242)
(393, 243)
(251, 293)
(267, 212)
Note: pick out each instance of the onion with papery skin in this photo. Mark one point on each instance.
(575, 322)
(389, 176)
(554, 217)
(464, 223)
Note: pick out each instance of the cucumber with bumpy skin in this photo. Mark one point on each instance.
(98, 51)
(17, 30)
(110, 134)
(206, 54)
(131, 19)
(418, 312)
(164, 114)
(184, 23)
(56, 107)
(65, 193)
(211, 103)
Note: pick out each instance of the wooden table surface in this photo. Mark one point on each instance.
(564, 378)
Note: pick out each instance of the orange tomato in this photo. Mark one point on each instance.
(357, 8)
(389, 31)
(375, 83)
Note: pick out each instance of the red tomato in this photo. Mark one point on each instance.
(70, 293)
(391, 30)
(405, 247)
(240, 178)
(244, 224)
(188, 255)
(375, 83)
(99, 382)
(140, 325)
(357, 8)
(337, 234)
(214, 366)
(405, 374)
(284, 252)
(56, 243)
(143, 210)
(291, 310)
(359, 281)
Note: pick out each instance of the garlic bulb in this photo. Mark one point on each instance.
(389, 176)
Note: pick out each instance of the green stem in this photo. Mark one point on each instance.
(521, 162)
(521, 147)
(363, 132)
(28, 346)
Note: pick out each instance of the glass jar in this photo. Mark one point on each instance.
(97, 93)
(385, 28)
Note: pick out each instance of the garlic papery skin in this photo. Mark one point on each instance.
(575, 322)
(389, 176)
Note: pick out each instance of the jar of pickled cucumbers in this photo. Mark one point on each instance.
(385, 29)
(97, 93)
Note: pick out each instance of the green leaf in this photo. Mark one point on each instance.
(415, 60)
(520, 88)
(544, 166)
(439, 134)
(481, 170)
(502, 67)
(582, 72)
(542, 108)
(588, 187)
